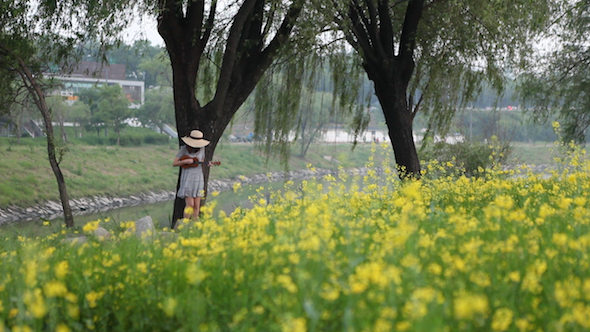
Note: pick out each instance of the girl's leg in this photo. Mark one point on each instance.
(189, 202)
(197, 207)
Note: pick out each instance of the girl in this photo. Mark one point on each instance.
(192, 184)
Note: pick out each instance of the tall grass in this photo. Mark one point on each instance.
(507, 251)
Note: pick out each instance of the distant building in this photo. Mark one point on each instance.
(90, 74)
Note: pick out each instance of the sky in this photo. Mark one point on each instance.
(146, 29)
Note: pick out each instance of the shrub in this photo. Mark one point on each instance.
(468, 158)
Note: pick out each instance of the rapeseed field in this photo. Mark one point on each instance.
(503, 251)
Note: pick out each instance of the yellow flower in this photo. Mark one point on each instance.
(259, 310)
(22, 328)
(286, 281)
(560, 239)
(55, 289)
(523, 324)
(169, 306)
(61, 269)
(329, 292)
(31, 273)
(91, 226)
(468, 306)
(188, 210)
(12, 313)
(502, 319)
(514, 276)
(73, 311)
(92, 297)
(403, 326)
(581, 314)
(35, 303)
(382, 325)
(294, 325)
(142, 267)
(434, 268)
(62, 328)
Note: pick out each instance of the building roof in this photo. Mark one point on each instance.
(97, 70)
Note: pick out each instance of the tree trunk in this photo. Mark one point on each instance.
(64, 135)
(39, 98)
(374, 40)
(390, 89)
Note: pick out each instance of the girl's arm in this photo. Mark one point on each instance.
(178, 162)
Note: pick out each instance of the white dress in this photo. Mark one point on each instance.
(192, 183)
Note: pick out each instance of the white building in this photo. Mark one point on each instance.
(90, 74)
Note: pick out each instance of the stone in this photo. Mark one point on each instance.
(144, 227)
(102, 233)
(75, 239)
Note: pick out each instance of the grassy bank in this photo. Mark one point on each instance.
(26, 177)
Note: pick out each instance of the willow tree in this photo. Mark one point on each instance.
(432, 55)
(23, 56)
(558, 85)
(224, 45)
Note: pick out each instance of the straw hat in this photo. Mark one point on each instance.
(195, 139)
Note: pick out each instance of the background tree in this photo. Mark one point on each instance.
(313, 118)
(59, 110)
(79, 114)
(559, 81)
(114, 107)
(96, 119)
(432, 55)
(158, 69)
(158, 108)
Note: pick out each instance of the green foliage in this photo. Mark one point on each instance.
(114, 107)
(477, 43)
(157, 70)
(130, 139)
(158, 108)
(475, 124)
(468, 158)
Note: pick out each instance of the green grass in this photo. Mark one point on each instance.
(538, 153)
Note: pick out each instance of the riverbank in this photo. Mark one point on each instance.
(81, 206)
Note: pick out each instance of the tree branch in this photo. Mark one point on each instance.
(209, 25)
(231, 49)
(386, 31)
(409, 29)
(362, 39)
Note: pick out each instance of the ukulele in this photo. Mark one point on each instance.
(196, 162)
